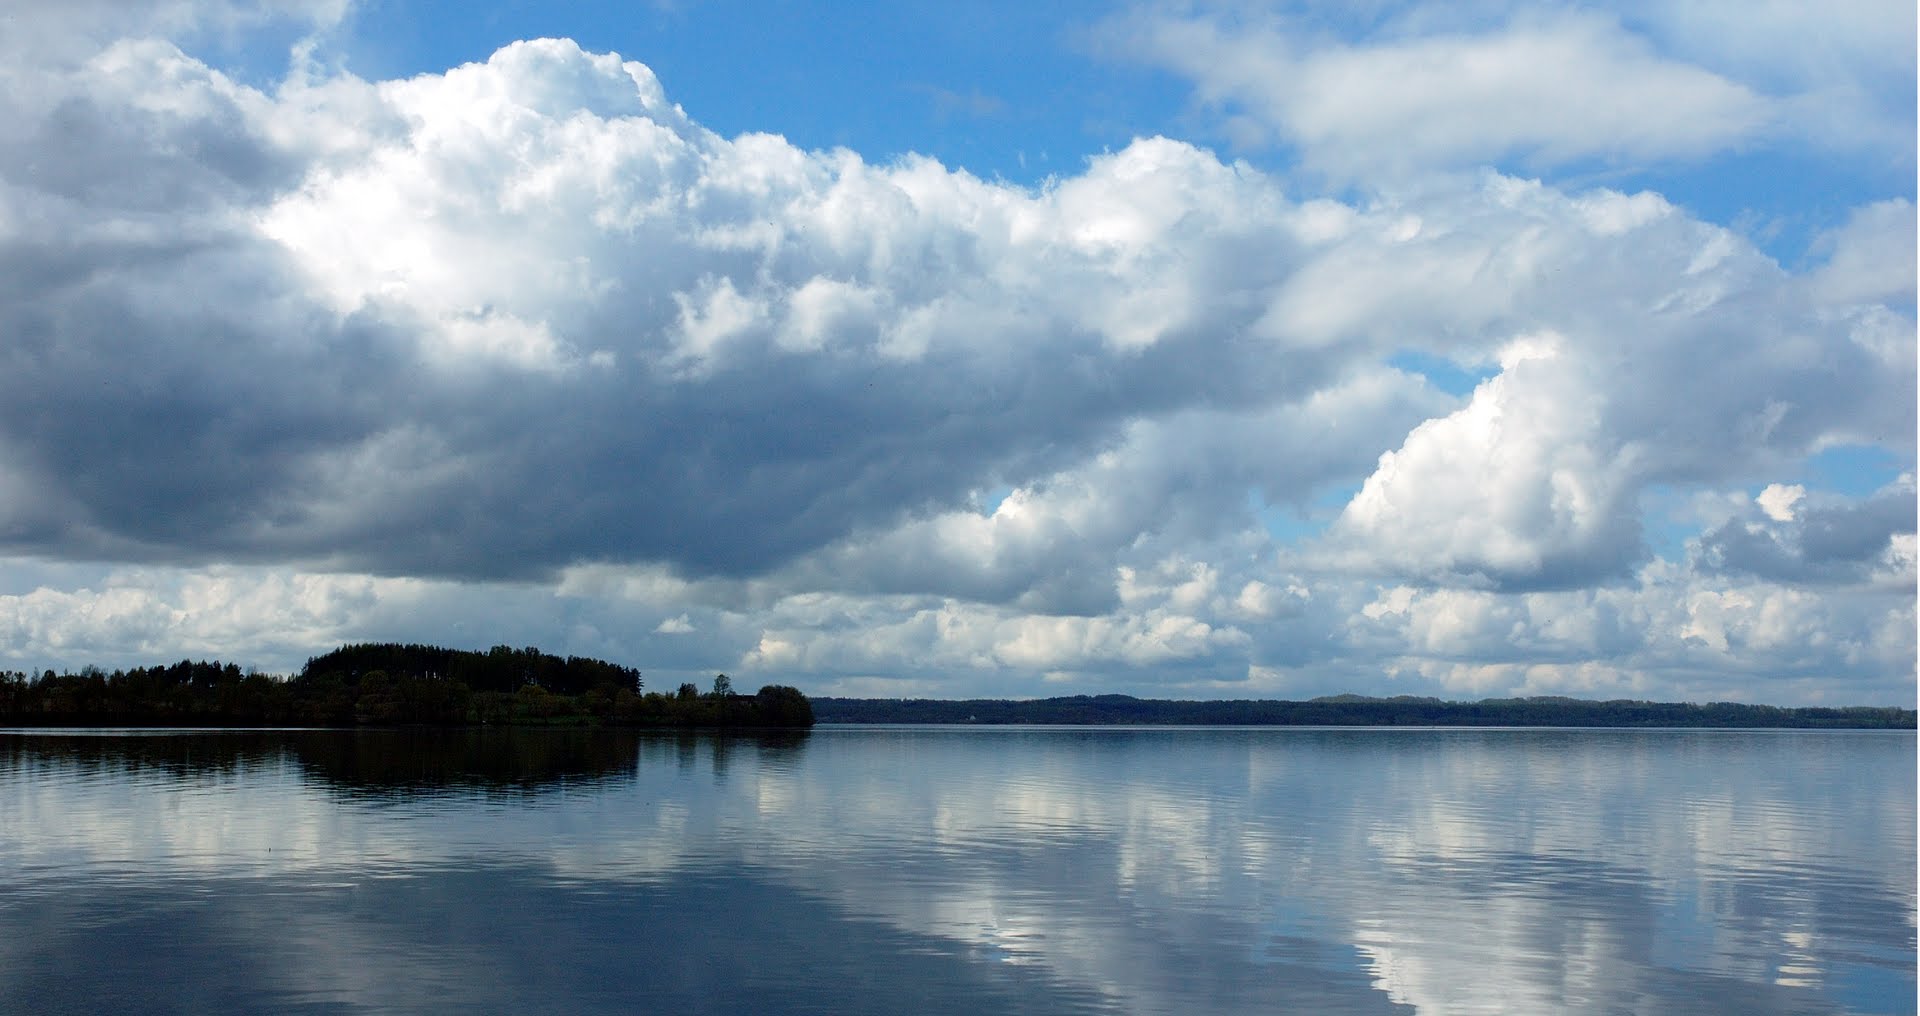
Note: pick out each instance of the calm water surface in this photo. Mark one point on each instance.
(959, 870)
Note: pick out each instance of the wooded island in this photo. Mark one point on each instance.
(388, 684)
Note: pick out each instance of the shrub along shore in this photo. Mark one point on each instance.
(389, 684)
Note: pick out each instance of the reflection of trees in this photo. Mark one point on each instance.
(382, 762)
(430, 761)
(436, 760)
(181, 756)
(686, 751)
(779, 746)
(777, 749)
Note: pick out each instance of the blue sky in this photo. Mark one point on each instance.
(1198, 350)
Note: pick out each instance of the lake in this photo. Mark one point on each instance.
(959, 870)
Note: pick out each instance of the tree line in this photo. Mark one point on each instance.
(1357, 711)
(386, 684)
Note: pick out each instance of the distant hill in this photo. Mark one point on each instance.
(1356, 711)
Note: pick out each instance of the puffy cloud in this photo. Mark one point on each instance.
(1671, 633)
(1823, 539)
(1509, 490)
(276, 617)
(538, 316)
(1778, 500)
(954, 636)
(1691, 361)
(1169, 483)
(143, 616)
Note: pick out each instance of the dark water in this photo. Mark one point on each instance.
(961, 870)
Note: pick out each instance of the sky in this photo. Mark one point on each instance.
(1184, 350)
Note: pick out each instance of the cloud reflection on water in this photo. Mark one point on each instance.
(1224, 871)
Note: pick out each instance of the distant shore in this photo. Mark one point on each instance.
(1358, 711)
